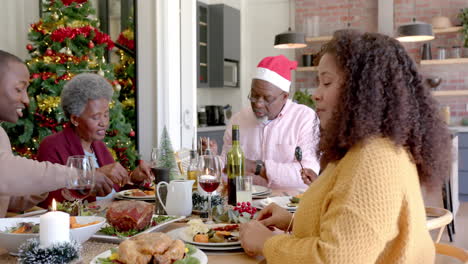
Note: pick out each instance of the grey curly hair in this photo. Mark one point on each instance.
(84, 87)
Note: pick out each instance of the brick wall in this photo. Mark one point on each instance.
(362, 15)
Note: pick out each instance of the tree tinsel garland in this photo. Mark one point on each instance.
(31, 253)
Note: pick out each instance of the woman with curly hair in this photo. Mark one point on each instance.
(381, 137)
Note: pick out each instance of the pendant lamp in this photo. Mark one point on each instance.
(415, 32)
(290, 39)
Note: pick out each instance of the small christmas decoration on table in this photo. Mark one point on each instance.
(54, 244)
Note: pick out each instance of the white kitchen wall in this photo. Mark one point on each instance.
(261, 20)
(15, 18)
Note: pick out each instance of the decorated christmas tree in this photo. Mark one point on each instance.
(66, 42)
(125, 72)
(167, 159)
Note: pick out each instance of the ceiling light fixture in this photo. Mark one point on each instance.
(290, 39)
(415, 31)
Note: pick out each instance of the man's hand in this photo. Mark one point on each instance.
(213, 146)
(308, 176)
(116, 172)
(103, 185)
(250, 167)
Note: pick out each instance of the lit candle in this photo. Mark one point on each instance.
(54, 227)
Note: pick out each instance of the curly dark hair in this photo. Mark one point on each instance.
(383, 95)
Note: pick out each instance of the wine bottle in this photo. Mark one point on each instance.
(192, 169)
(235, 164)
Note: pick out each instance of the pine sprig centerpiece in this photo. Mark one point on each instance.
(32, 253)
(167, 159)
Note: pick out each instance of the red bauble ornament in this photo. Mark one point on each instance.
(91, 45)
(29, 47)
(36, 75)
(132, 133)
(48, 52)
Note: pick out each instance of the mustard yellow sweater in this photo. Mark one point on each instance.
(365, 208)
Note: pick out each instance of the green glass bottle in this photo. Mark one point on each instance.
(235, 164)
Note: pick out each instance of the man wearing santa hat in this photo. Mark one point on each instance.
(273, 126)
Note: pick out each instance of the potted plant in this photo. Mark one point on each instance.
(303, 97)
(463, 16)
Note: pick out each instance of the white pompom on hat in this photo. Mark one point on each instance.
(276, 70)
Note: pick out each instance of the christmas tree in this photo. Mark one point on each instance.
(66, 42)
(167, 159)
(125, 72)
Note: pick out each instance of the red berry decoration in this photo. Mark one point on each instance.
(132, 133)
(91, 45)
(29, 47)
(49, 52)
(36, 75)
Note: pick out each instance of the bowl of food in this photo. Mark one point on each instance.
(15, 231)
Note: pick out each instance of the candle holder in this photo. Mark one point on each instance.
(64, 252)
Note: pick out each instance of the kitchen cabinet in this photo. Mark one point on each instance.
(224, 30)
(202, 44)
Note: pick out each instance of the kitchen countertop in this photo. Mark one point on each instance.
(459, 129)
(211, 128)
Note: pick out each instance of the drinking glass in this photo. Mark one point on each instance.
(244, 189)
(157, 154)
(209, 178)
(80, 184)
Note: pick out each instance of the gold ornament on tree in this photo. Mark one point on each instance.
(118, 87)
(101, 72)
(55, 16)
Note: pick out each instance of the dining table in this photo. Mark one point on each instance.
(93, 247)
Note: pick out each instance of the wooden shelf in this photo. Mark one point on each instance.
(306, 69)
(319, 39)
(446, 61)
(203, 23)
(450, 93)
(447, 30)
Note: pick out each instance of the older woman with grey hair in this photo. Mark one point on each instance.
(85, 102)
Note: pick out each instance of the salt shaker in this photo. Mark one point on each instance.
(456, 52)
(441, 53)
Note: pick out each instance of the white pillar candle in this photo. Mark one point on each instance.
(54, 227)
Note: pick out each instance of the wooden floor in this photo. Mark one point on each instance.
(460, 239)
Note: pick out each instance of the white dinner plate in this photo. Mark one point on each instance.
(258, 190)
(115, 239)
(200, 255)
(127, 194)
(282, 201)
(186, 238)
(32, 213)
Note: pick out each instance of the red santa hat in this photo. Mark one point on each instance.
(276, 70)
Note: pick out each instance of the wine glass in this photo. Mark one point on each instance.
(80, 184)
(209, 178)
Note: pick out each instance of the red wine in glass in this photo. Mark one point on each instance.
(80, 192)
(209, 185)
